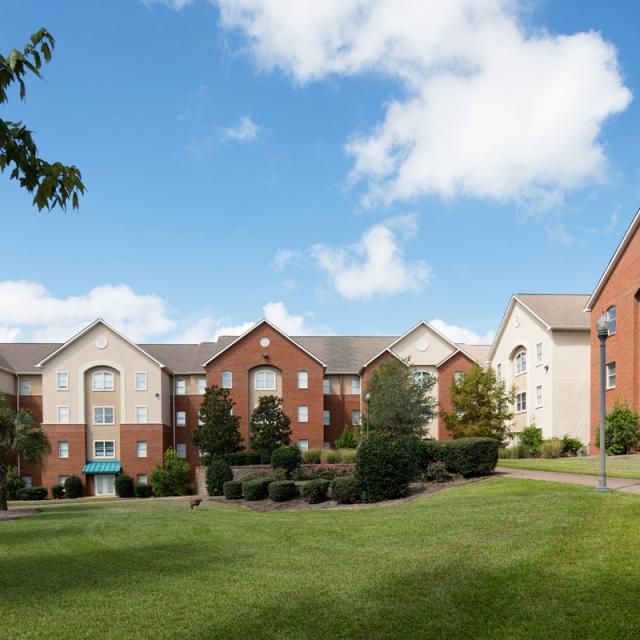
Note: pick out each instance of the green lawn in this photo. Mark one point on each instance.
(499, 559)
(617, 466)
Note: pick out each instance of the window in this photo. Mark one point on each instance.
(25, 387)
(141, 414)
(265, 380)
(499, 371)
(28, 481)
(61, 479)
(202, 385)
(458, 376)
(63, 415)
(181, 386)
(141, 449)
(420, 376)
(181, 449)
(62, 381)
(521, 362)
(611, 375)
(103, 415)
(355, 385)
(612, 317)
(539, 353)
(303, 414)
(356, 417)
(142, 478)
(141, 381)
(538, 396)
(303, 380)
(181, 418)
(326, 418)
(102, 381)
(326, 386)
(104, 448)
(303, 445)
(227, 380)
(63, 449)
(521, 402)
(326, 445)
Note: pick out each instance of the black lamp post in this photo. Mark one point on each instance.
(602, 327)
(367, 399)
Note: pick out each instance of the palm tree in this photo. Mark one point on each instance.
(18, 439)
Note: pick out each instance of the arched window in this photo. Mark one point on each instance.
(102, 381)
(265, 380)
(612, 317)
(521, 361)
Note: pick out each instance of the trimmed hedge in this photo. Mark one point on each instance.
(346, 490)
(257, 489)
(242, 458)
(73, 487)
(465, 456)
(232, 490)
(315, 491)
(33, 493)
(144, 491)
(57, 492)
(124, 486)
(286, 458)
(283, 490)
(218, 472)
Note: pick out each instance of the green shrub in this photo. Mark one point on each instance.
(14, 484)
(622, 431)
(346, 490)
(465, 456)
(323, 472)
(329, 456)
(315, 491)
(256, 489)
(312, 456)
(347, 439)
(570, 446)
(57, 492)
(437, 472)
(218, 472)
(347, 455)
(190, 489)
(551, 448)
(286, 458)
(144, 491)
(232, 489)
(33, 493)
(124, 486)
(73, 487)
(283, 490)
(242, 458)
(531, 438)
(172, 478)
(513, 452)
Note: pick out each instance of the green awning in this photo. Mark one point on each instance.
(100, 466)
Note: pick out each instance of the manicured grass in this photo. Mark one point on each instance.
(617, 466)
(499, 559)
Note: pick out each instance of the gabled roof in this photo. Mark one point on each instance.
(88, 328)
(187, 358)
(21, 357)
(251, 330)
(624, 243)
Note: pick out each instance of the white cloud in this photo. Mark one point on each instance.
(375, 265)
(245, 131)
(460, 334)
(283, 257)
(172, 4)
(9, 334)
(491, 108)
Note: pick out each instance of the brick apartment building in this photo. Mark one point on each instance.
(109, 405)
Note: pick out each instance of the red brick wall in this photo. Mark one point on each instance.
(33, 404)
(154, 435)
(74, 434)
(284, 355)
(191, 405)
(446, 373)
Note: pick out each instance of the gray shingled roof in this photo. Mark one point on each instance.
(344, 354)
(477, 351)
(22, 357)
(559, 311)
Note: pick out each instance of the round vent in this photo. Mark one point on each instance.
(265, 342)
(101, 342)
(422, 345)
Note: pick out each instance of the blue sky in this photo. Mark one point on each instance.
(240, 161)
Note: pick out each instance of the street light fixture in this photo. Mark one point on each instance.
(602, 327)
(367, 399)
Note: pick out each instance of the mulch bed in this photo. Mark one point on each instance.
(14, 514)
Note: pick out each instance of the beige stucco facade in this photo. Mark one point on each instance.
(7, 383)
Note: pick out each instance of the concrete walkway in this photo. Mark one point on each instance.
(621, 484)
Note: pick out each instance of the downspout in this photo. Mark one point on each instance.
(18, 408)
(173, 410)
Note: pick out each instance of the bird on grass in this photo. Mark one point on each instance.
(194, 502)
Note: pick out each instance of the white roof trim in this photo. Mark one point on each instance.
(87, 329)
(253, 328)
(624, 243)
(386, 350)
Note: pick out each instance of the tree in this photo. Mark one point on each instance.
(401, 401)
(53, 183)
(19, 438)
(622, 431)
(347, 439)
(531, 437)
(482, 406)
(219, 431)
(172, 478)
(270, 426)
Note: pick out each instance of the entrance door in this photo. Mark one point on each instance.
(105, 485)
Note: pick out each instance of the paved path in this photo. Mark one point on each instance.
(621, 484)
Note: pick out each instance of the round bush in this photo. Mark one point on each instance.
(144, 491)
(33, 493)
(346, 490)
(286, 458)
(124, 486)
(232, 490)
(315, 491)
(73, 487)
(466, 456)
(551, 448)
(256, 489)
(218, 472)
(347, 455)
(283, 490)
(312, 456)
(57, 492)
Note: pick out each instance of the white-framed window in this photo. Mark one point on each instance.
(355, 385)
(202, 385)
(200, 420)
(521, 402)
(326, 386)
(538, 353)
(142, 478)
(499, 371)
(611, 375)
(63, 415)
(141, 381)
(181, 418)
(303, 445)
(63, 449)
(62, 380)
(612, 316)
(227, 379)
(28, 481)
(303, 380)
(61, 479)
(181, 449)
(326, 418)
(303, 413)
(420, 376)
(141, 414)
(25, 387)
(104, 448)
(356, 417)
(458, 375)
(103, 415)
(326, 445)
(102, 381)
(181, 387)
(265, 380)
(539, 397)
(141, 449)
(521, 362)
